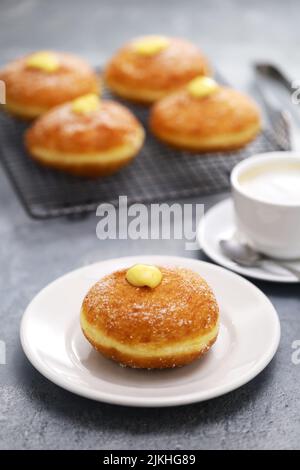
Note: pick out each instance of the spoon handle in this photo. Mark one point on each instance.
(292, 270)
(272, 71)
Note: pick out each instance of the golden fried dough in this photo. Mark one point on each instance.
(166, 326)
(135, 74)
(224, 120)
(38, 82)
(90, 143)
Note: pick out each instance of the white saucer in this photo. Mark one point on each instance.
(218, 223)
(52, 340)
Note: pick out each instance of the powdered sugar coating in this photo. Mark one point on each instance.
(63, 130)
(182, 307)
(225, 111)
(35, 87)
(167, 70)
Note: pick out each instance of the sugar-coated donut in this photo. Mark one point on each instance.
(142, 327)
(86, 138)
(148, 68)
(38, 82)
(224, 119)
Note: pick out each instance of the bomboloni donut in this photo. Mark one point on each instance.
(148, 68)
(86, 137)
(205, 116)
(150, 317)
(40, 81)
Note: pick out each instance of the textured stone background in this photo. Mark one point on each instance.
(34, 413)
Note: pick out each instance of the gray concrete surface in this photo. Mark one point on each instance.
(36, 414)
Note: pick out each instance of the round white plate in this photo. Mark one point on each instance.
(218, 223)
(52, 340)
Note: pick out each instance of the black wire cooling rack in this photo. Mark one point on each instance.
(158, 173)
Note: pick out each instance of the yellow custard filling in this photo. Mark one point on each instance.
(141, 275)
(150, 45)
(86, 104)
(202, 86)
(43, 60)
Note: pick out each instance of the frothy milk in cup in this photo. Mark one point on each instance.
(274, 182)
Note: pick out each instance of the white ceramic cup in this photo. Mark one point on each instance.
(272, 228)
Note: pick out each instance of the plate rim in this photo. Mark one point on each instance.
(183, 399)
(243, 271)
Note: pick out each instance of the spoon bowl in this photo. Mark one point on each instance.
(240, 252)
(245, 255)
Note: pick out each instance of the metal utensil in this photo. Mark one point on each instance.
(245, 255)
(274, 72)
(272, 85)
